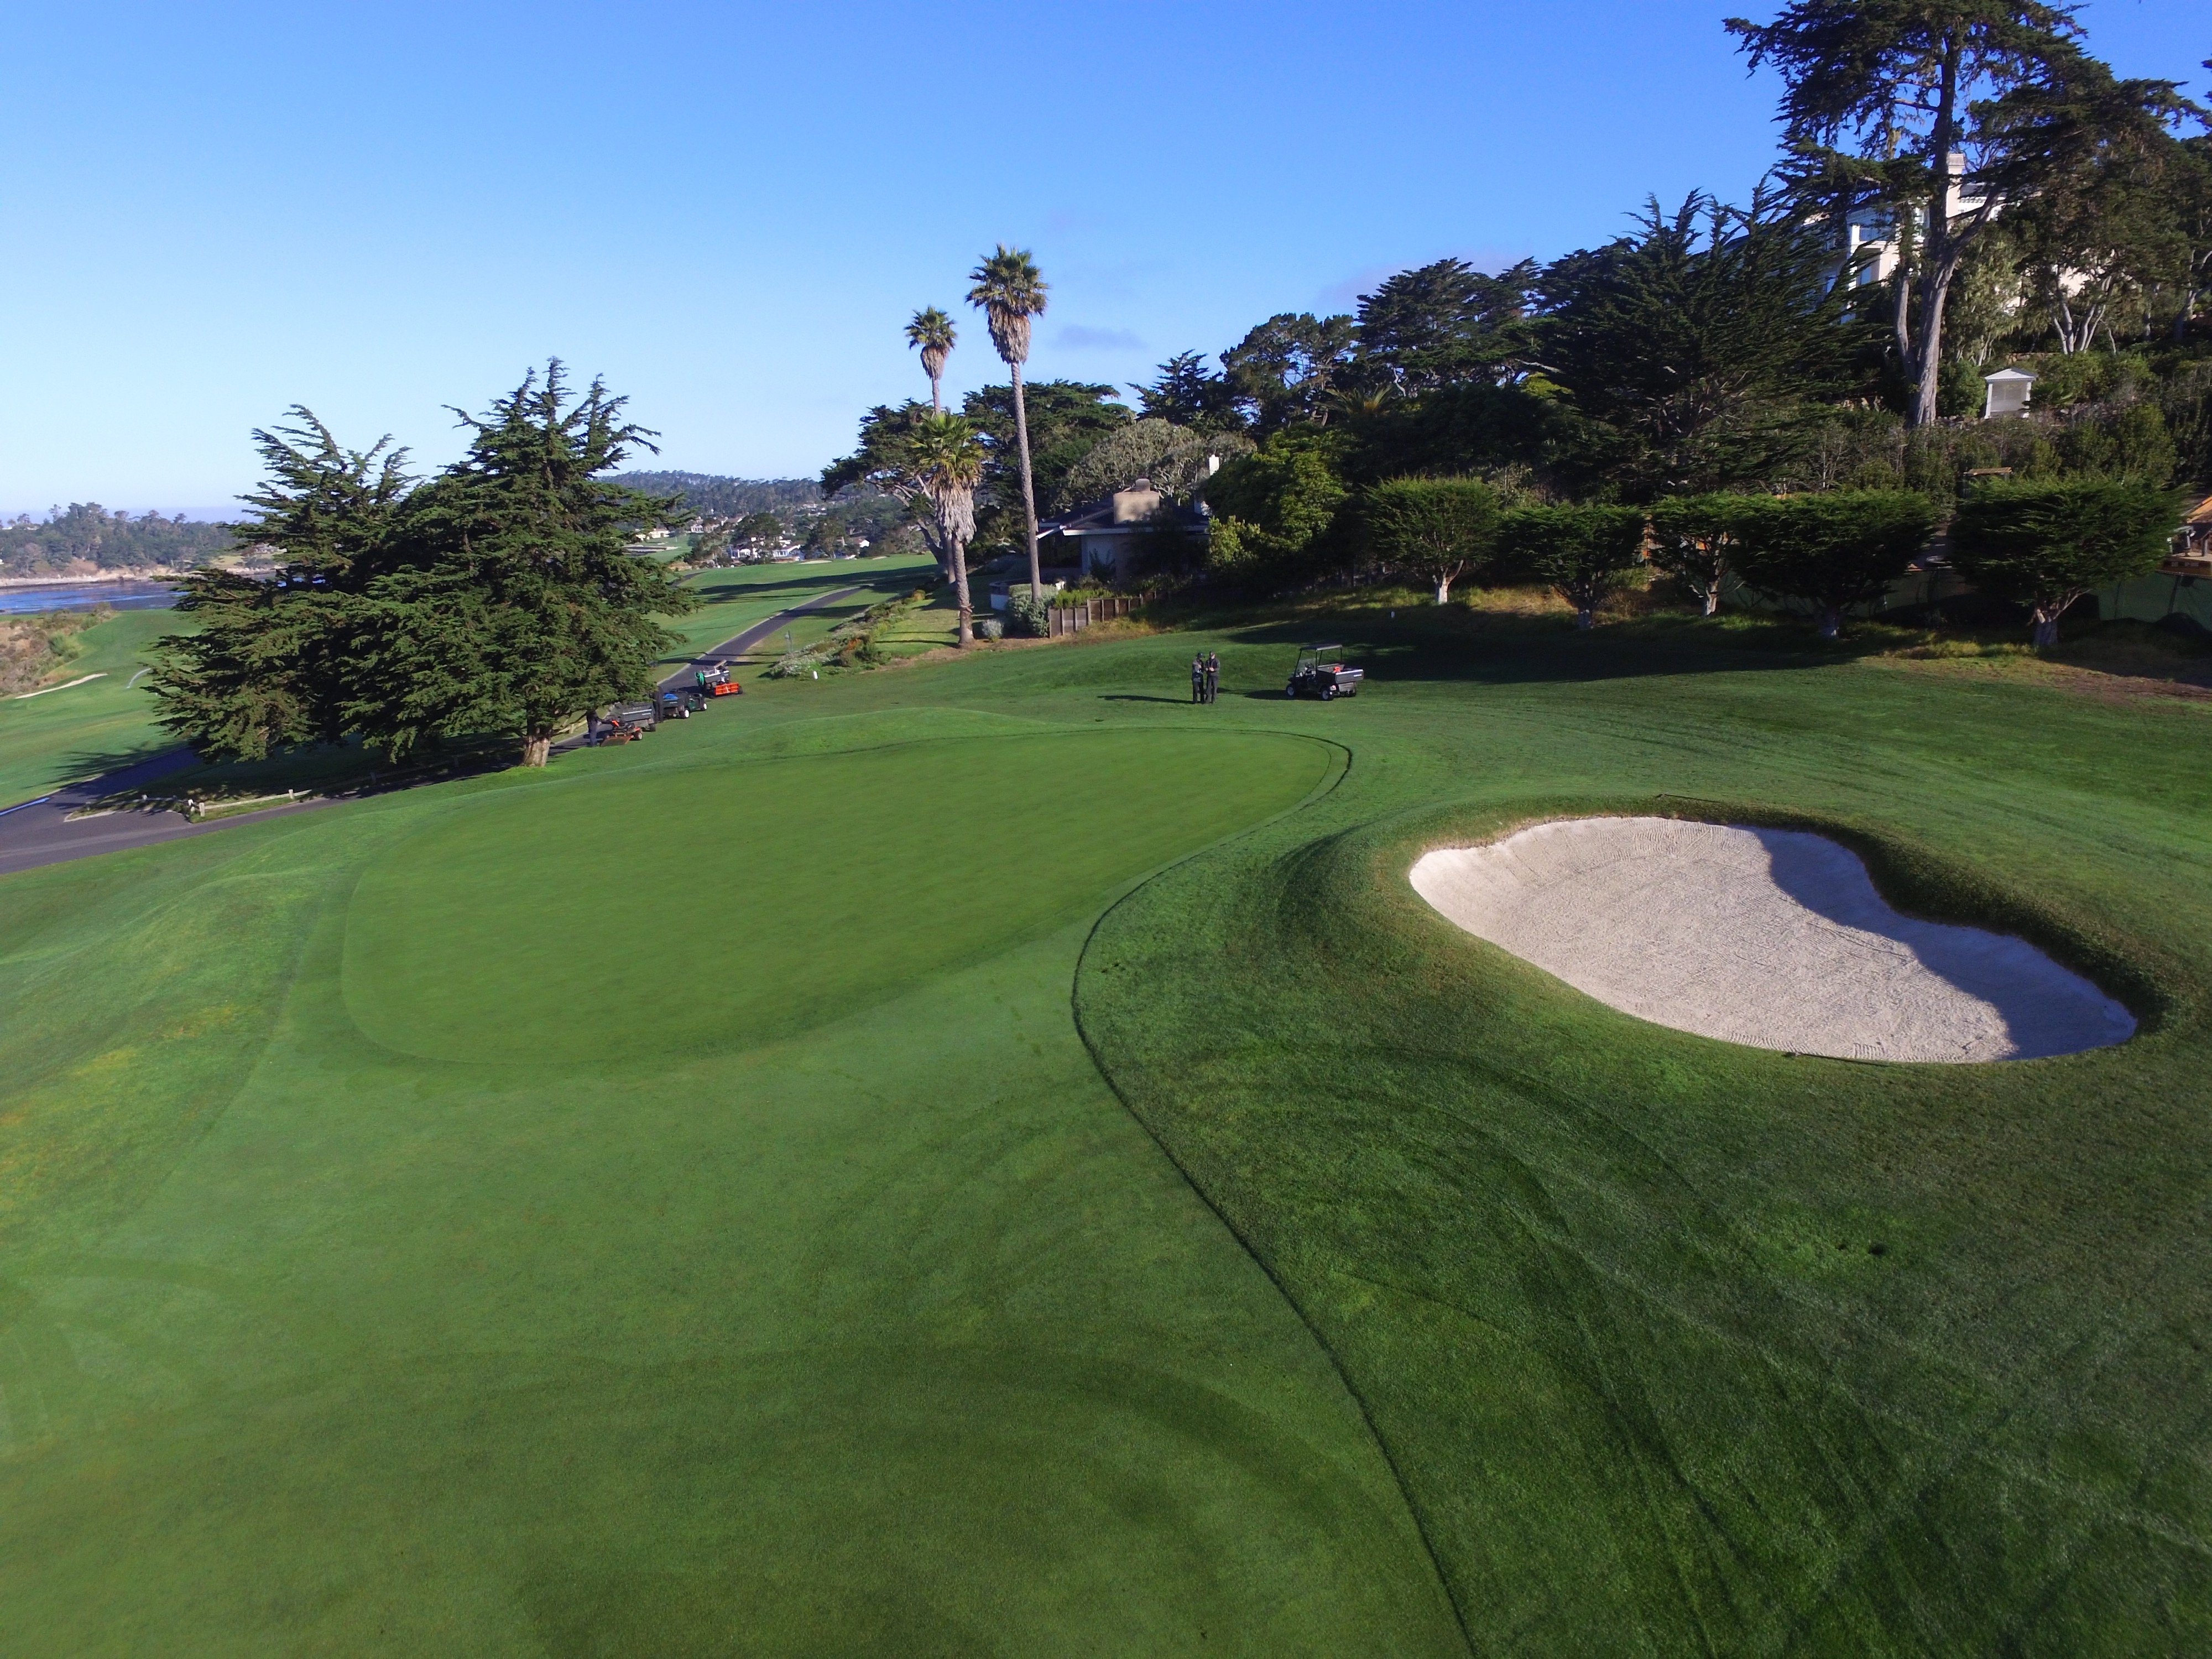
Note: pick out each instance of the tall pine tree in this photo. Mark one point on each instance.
(266, 667)
(525, 610)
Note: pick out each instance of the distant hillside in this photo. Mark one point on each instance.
(726, 498)
(88, 531)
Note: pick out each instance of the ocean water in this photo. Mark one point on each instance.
(83, 596)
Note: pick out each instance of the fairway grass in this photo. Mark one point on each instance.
(989, 1158)
(62, 736)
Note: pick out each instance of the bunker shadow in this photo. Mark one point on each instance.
(2047, 1008)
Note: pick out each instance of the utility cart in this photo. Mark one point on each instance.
(1321, 673)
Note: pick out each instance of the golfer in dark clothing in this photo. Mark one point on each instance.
(1198, 678)
(1213, 676)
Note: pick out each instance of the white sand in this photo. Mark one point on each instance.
(1772, 937)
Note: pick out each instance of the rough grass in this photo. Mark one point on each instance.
(897, 1333)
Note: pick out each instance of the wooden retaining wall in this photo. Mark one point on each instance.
(1075, 618)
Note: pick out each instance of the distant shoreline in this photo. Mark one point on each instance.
(156, 574)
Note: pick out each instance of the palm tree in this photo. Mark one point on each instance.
(1010, 292)
(931, 330)
(945, 456)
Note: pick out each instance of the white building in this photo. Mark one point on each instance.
(2008, 391)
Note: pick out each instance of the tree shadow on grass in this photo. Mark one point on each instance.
(1485, 647)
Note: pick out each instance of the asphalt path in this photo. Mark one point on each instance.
(731, 649)
(40, 832)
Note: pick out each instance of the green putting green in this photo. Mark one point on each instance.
(502, 932)
(788, 1186)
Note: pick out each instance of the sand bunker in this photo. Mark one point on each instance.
(1772, 937)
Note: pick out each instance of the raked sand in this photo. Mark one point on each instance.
(1773, 937)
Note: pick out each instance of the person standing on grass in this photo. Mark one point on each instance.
(1213, 676)
(1198, 678)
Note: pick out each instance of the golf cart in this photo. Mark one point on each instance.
(1321, 673)
(680, 704)
(626, 722)
(715, 681)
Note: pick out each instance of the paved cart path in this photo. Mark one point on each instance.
(41, 831)
(731, 649)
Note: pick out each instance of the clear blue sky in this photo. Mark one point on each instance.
(730, 210)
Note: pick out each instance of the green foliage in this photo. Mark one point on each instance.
(1832, 552)
(1695, 540)
(2131, 444)
(1009, 291)
(1697, 342)
(1447, 324)
(1186, 394)
(269, 664)
(1174, 458)
(1285, 498)
(86, 532)
(715, 496)
(497, 599)
(2044, 544)
(1027, 616)
(1470, 428)
(1879, 99)
(520, 611)
(1434, 529)
(1286, 370)
(1583, 552)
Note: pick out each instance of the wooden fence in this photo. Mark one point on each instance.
(1073, 616)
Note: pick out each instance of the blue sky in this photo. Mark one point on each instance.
(212, 212)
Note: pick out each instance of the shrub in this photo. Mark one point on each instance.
(1583, 552)
(1697, 539)
(1432, 528)
(1027, 616)
(1286, 500)
(991, 628)
(1832, 552)
(2044, 544)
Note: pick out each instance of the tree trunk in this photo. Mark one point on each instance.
(1585, 619)
(1828, 619)
(937, 394)
(1029, 488)
(1900, 320)
(536, 746)
(960, 593)
(1443, 590)
(1713, 599)
(1941, 262)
